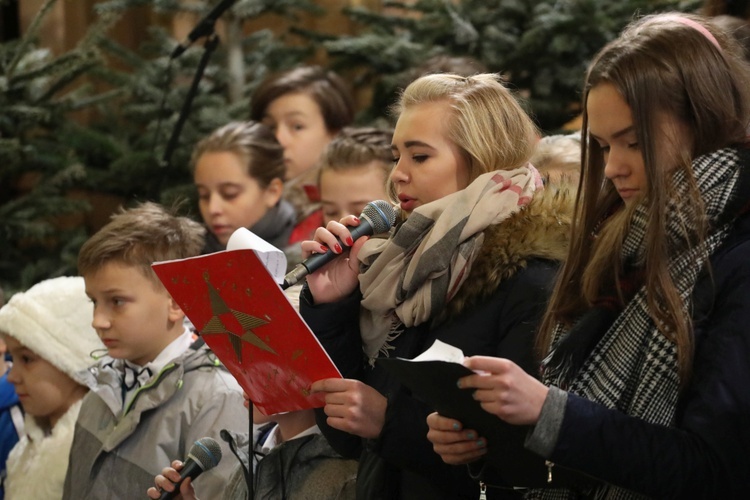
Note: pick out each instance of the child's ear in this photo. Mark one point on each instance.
(175, 311)
(273, 192)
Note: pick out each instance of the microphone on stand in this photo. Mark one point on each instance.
(377, 217)
(205, 454)
(204, 28)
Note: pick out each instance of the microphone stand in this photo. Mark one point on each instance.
(250, 479)
(208, 48)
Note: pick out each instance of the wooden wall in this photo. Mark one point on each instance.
(68, 21)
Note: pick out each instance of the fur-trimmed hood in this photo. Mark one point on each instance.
(539, 230)
(39, 461)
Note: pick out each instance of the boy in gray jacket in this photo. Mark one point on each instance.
(157, 390)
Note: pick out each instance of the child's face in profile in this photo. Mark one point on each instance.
(134, 317)
(346, 192)
(44, 391)
(298, 124)
(228, 197)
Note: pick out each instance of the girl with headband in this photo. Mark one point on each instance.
(645, 346)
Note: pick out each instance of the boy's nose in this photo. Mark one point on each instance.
(100, 321)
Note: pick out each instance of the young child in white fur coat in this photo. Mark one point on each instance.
(48, 333)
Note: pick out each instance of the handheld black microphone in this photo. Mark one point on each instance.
(377, 217)
(205, 454)
(204, 28)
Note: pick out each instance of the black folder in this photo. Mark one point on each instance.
(435, 383)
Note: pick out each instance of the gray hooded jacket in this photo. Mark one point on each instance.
(118, 450)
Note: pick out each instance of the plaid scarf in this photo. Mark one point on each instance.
(410, 276)
(633, 366)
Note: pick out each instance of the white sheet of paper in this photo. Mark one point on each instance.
(271, 257)
(440, 351)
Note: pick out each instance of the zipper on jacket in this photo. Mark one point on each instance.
(483, 489)
(137, 393)
(215, 363)
(549, 470)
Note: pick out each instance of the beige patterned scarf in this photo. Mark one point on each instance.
(410, 276)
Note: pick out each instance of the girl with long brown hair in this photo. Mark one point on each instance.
(645, 343)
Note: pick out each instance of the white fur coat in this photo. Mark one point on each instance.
(38, 463)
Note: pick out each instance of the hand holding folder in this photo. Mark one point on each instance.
(432, 377)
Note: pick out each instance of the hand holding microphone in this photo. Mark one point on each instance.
(205, 454)
(376, 218)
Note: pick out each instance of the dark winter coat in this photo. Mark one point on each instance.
(705, 453)
(495, 313)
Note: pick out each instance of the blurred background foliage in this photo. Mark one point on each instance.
(84, 131)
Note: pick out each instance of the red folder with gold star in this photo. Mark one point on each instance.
(250, 324)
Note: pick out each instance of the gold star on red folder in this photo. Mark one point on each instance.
(251, 327)
(236, 323)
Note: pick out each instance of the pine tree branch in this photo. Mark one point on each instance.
(28, 37)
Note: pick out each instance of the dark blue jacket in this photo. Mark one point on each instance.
(8, 434)
(494, 313)
(401, 462)
(707, 452)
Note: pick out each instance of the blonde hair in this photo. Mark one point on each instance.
(708, 93)
(487, 124)
(558, 155)
(139, 237)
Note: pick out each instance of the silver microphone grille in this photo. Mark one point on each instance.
(206, 452)
(380, 214)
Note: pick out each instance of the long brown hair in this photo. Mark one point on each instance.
(661, 67)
